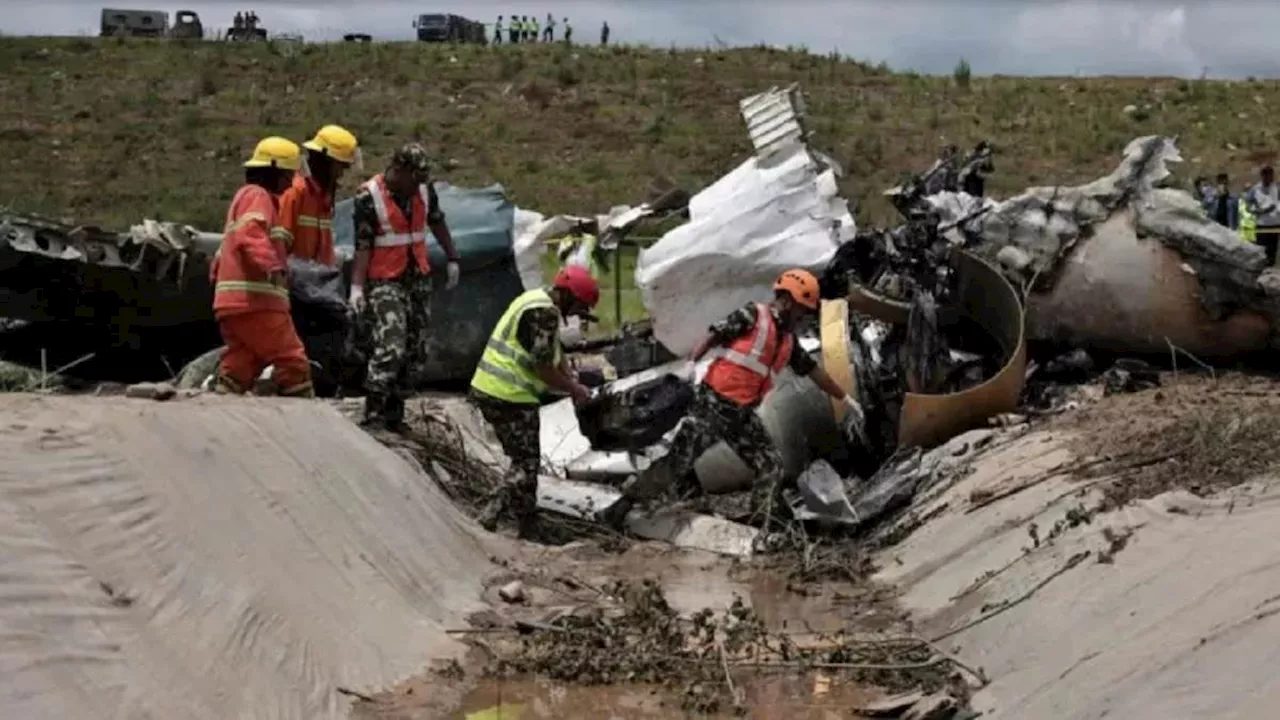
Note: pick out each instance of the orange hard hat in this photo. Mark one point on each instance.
(801, 285)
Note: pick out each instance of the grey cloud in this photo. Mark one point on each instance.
(1231, 38)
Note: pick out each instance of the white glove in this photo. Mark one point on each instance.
(356, 298)
(855, 420)
(453, 272)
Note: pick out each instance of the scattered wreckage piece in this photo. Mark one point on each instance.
(154, 275)
(989, 302)
(1125, 265)
(778, 210)
(680, 528)
(571, 498)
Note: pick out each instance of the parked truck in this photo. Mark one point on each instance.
(441, 28)
(151, 23)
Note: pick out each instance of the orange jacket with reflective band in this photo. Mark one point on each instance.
(305, 223)
(743, 371)
(398, 236)
(247, 256)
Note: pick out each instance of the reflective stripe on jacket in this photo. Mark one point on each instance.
(398, 236)
(306, 221)
(743, 371)
(247, 257)
(506, 370)
(1248, 223)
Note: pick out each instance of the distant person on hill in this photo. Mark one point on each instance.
(568, 32)
(513, 30)
(1219, 203)
(238, 22)
(1263, 203)
(604, 33)
(533, 30)
(549, 32)
(1226, 205)
(497, 31)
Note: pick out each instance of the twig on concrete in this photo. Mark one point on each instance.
(803, 664)
(728, 676)
(355, 694)
(1073, 561)
(44, 375)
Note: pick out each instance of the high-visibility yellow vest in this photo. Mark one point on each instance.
(506, 370)
(581, 251)
(1248, 222)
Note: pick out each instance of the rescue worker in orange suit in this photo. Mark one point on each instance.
(306, 208)
(392, 214)
(250, 289)
(750, 347)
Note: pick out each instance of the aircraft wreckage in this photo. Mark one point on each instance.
(929, 322)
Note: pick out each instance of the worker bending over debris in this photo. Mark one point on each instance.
(392, 213)
(306, 208)
(750, 347)
(250, 287)
(522, 360)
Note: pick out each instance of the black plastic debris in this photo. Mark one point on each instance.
(637, 417)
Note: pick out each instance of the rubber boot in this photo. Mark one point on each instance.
(393, 414)
(374, 411)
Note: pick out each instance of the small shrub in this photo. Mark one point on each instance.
(962, 74)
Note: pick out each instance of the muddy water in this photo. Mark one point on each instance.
(690, 581)
(815, 697)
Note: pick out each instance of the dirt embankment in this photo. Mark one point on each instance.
(565, 130)
(1195, 432)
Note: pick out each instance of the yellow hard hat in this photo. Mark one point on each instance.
(336, 142)
(276, 152)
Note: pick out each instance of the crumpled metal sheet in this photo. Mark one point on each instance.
(1126, 265)
(775, 120)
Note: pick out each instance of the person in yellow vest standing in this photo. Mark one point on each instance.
(1263, 203)
(1248, 223)
(392, 213)
(522, 361)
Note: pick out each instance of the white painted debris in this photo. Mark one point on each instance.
(512, 592)
(778, 210)
(678, 527)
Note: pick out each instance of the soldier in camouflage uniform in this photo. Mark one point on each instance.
(522, 360)
(390, 277)
(750, 347)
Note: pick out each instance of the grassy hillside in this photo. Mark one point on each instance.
(112, 131)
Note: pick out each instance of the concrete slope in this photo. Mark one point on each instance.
(215, 558)
(1166, 608)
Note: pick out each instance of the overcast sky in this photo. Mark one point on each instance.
(1229, 38)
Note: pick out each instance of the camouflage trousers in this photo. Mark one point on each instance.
(518, 427)
(713, 418)
(400, 314)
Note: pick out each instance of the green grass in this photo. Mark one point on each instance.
(110, 131)
(610, 301)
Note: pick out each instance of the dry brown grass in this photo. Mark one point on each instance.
(111, 131)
